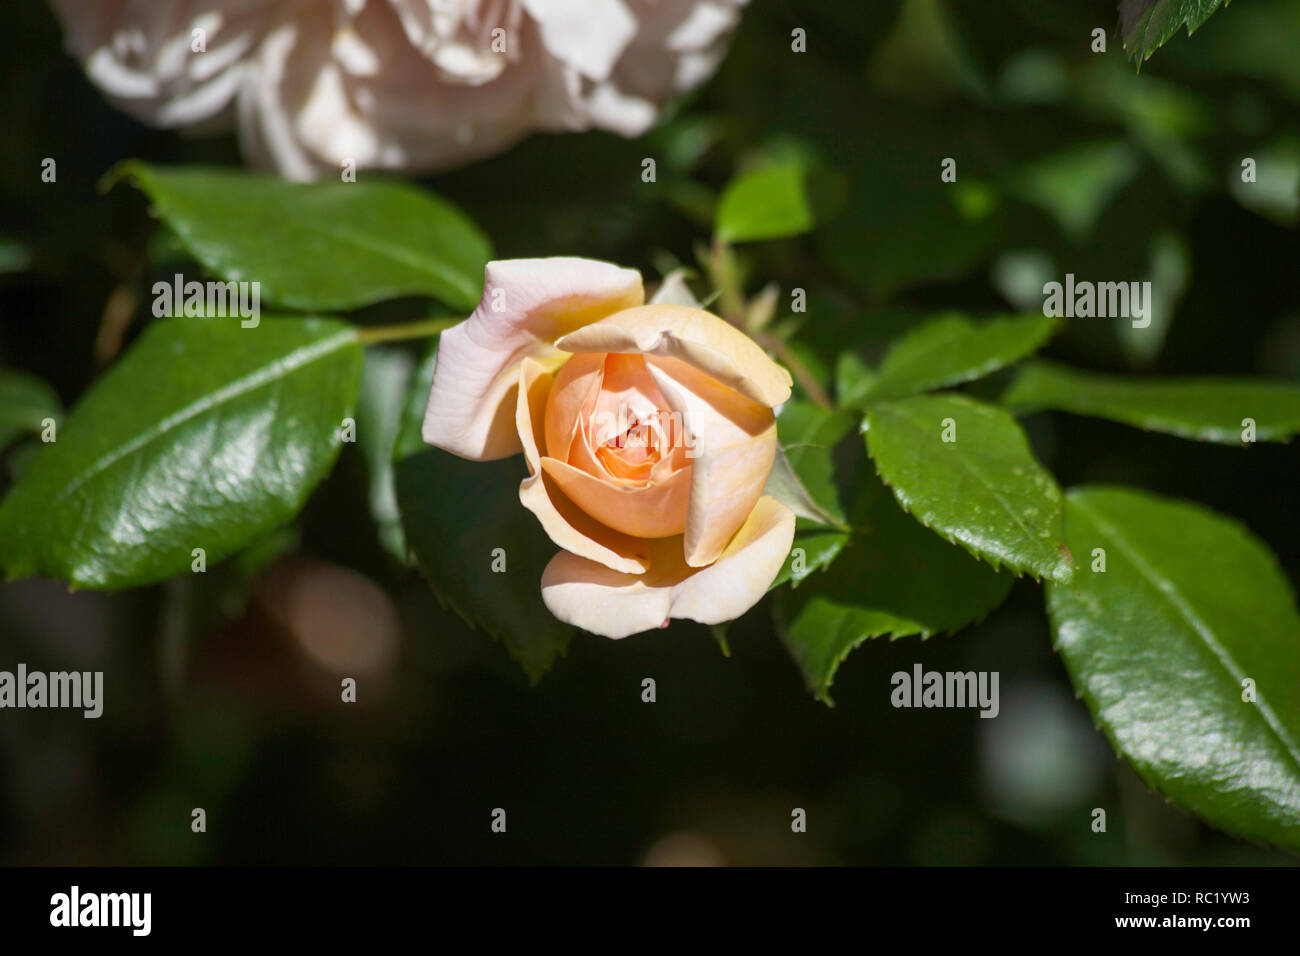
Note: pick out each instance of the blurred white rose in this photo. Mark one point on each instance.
(395, 84)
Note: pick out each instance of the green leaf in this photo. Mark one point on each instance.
(409, 441)
(984, 489)
(1148, 24)
(893, 578)
(1160, 645)
(205, 435)
(455, 514)
(1274, 191)
(769, 202)
(1207, 409)
(385, 384)
(804, 479)
(25, 402)
(926, 56)
(818, 549)
(951, 349)
(1076, 185)
(1170, 273)
(803, 475)
(853, 380)
(319, 246)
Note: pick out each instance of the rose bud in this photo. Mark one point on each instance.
(648, 432)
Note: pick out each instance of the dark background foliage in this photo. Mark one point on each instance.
(222, 689)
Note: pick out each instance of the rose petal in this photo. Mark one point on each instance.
(587, 35)
(605, 602)
(413, 85)
(536, 301)
(276, 83)
(568, 525)
(627, 395)
(414, 118)
(656, 510)
(142, 56)
(577, 387)
(694, 336)
(733, 440)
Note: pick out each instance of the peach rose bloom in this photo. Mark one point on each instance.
(648, 432)
(395, 84)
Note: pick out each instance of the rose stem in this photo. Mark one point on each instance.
(408, 330)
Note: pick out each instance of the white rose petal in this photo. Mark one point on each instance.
(417, 85)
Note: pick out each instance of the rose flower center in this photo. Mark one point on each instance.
(615, 447)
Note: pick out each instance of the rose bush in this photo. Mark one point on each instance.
(224, 473)
(648, 431)
(395, 84)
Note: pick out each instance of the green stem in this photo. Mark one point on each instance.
(424, 329)
(782, 350)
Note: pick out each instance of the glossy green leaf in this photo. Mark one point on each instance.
(1186, 648)
(1207, 409)
(319, 246)
(983, 489)
(1147, 25)
(205, 435)
(893, 577)
(769, 202)
(455, 515)
(25, 402)
(951, 349)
